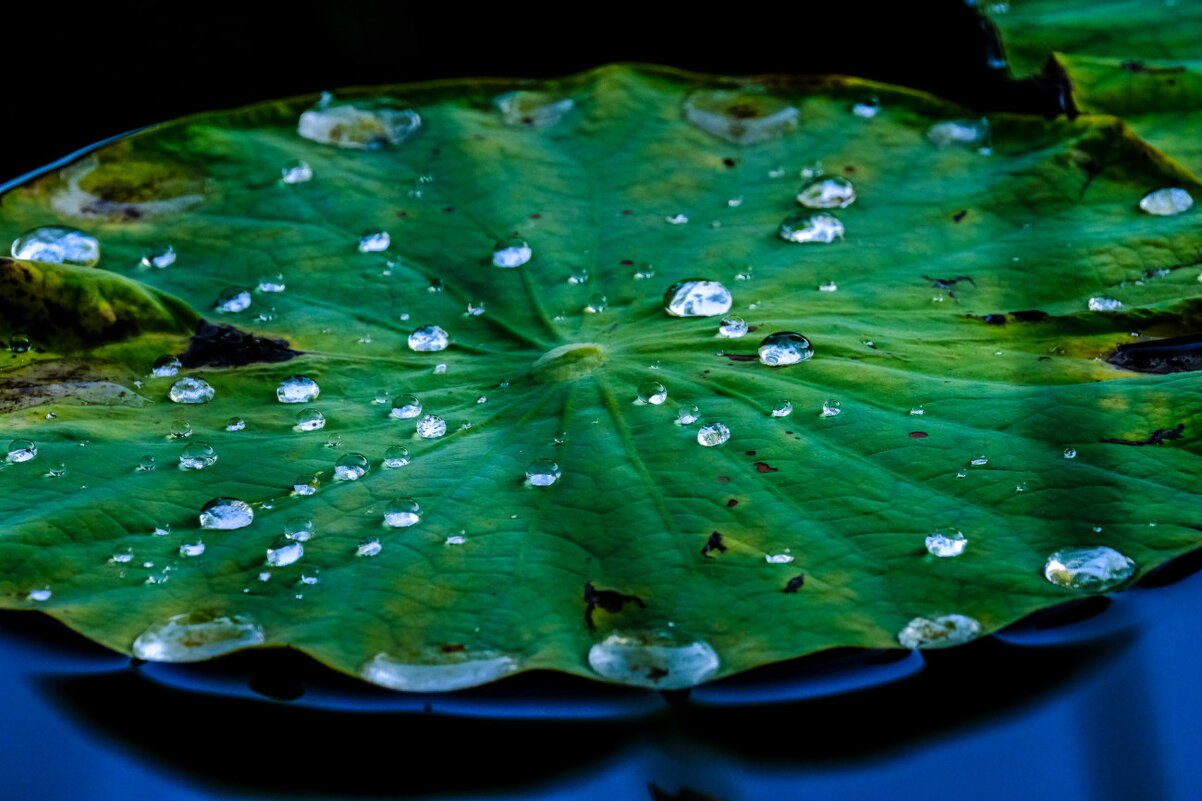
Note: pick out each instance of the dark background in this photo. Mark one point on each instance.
(75, 77)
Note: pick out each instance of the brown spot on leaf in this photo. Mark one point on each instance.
(731, 503)
(1157, 437)
(763, 467)
(741, 357)
(795, 584)
(918, 435)
(714, 543)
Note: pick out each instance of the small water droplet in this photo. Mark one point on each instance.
(1070, 453)
(978, 461)
(310, 420)
(123, 555)
(43, 594)
(57, 244)
(195, 636)
(831, 408)
(687, 414)
(232, 300)
(428, 338)
(596, 304)
(542, 473)
(1096, 569)
(532, 109)
(374, 241)
(833, 192)
(783, 408)
(778, 558)
(784, 348)
(285, 553)
(190, 390)
(158, 255)
(829, 286)
(658, 662)
(697, 297)
(402, 513)
(361, 124)
(297, 389)
(299, 529)
(296, 171)
(712, 434)
(192, 549)
(21, 450)
(226, 514)
(235, 424)
(735, 202)
(475, 308)
(1105, 304)
(405, 407)
(804, 227)
(165, 366)
(431, 427)
(306, 484)
(273, 282)
(197, 456)
(732, 327)
(939, 632)
(396, 456)
(466, 671)
(676, 219)
(945, 542)
(645, 271)
(918, 410)
(351, 466)
(867, 108)
(1166, 202)
(57, 470)
(512, 251)
(146, 463)
(963, 133)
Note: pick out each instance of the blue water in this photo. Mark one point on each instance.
(1109, 708)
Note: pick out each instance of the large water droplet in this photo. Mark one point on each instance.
(542, 472)
(783, 408)
(712, 434)
(233, 300)
(512, 251)
(299, 529)
(804, 227)
(226, 514)
(197, 456)
(833, 192)
(396, 456)
(165, 366)
(939, 632)
(1105, 304)
(402, 513)
(159, 255)
(743, 117)
(297, 389)
(351, 466)
(431, 427)
(1096, 569)
(390, 672)
(285, 553)
(428, 338)
(965, 133)
(57, 244)
(306, 484)
(369, 548)
(831, 408)
(532, 109)
(21, 450)
(697, 297)
(363, 124)
(192, 548)
(946, 542)
(687, 414)
(310, 420)
(652, 392)
(732, 327)
(659, 665)
(405, 407)
(784, 348)
(197, 635)
(1166, 202)
(191, 390)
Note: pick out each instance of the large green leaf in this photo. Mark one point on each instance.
(942, 248)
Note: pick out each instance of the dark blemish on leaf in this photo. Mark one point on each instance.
(959, 215)
(608, 600)
(226, 346)
(1139, 66)
(536, 216)
(740, 357)
(849, 168)
(795, 584)
(731, 502)
(449, 209)
(918, 435)
(1158, 436)
(788, 432)
(452, 647)
(714, 543)
(612, 328)
(627, 211)
(749, 453)
(1030, 316)
(764, 467)
(1173, 355)
(626, 262)
(402, 214)
(946, 284)
(729, 162)
(994, 319)
(723, 479)
(1044, 359)
(751, 329)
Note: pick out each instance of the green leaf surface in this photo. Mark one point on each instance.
(942, 247)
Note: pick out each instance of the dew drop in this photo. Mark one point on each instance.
(532, 109)
(1166, 202)
(867, 108)
(475, 308)
(542, 473)
(697, 297)
(829, 286)
(428, 338)
(21, 450)
(226, 514)
(190, 390)
(676, 219)
(1096, 569)
(732, 327)
(652, 392)
(979, 460)
(963, 133)
(743, 117)
(784, 348)
(374, 241)
(361, 124)
(1105, 304)
(1070, 453)
(123, 555)
(285, 553)
(235, 424)
(165, 366)
(57, 470)
(351, 466)
(305, 484)
(939, 632)
(405, 407)
(57, 244)
(197, 456)
(831, 408)
(431, 427)
(43, 594)
(687, 414)
(712, 434)
(192, 548)
(146, 463)
(402, 513)
(783, 408)
(197, 635)
(396, 456)
(180, 429)
(651, 663)
(159, 255)
(310, 420)
(778, 558)
(645, 271)
(946, 542)
(232, 300)
(297, 389)
(272, 283)
(834, 192)
(299, 529)
(296, 171)
(596, 304)
(390, 672)
(804, 227)
(19, 343)
(579, 276)
(512, 251)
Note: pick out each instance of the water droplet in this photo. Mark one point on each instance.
(475, 308)
(1070, 453)
(784, 348)
(532, 109)
(396, 456)
(361, 124)
(697, 297)
(197, 456)
(1165, 202)
(455, 539)
(834, 192)
(964, 133)
(687, 414)
(918, 410)
(146, 463)
(19, 343)
(652, 392)
(939, 632)
(297, 389)
(310, 420)
(43, 594)
(195, 636)
(712, 434)
(440, 369)
(296, 171)
(946, 542)
(542, 473)
(657, 662)
(829, 286)
(226, 514)
(778, 558)
(285, 553)
(805, 227)
(299, 529)
(57, 470)
(232, 300)
(158, 255)
(272, 283)
(369, 548)
(165, 366)
(390, 672)
(744, 117)
(783, 408)
(831, 408)
(190, 390)
(579, 276)
(21, 450)
(645, 271)
(732, 327)
(402, 513)
(306, 484)
(428, 338)
(596, 304)
(978, 461)
(1105, 304)
(431, 427)
(351, 466)
(374, 241)
(235, 424)
(676, 219)
(1096, 569)
(867, 108)
(57, 244)
(512, 251)
(405, 407)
